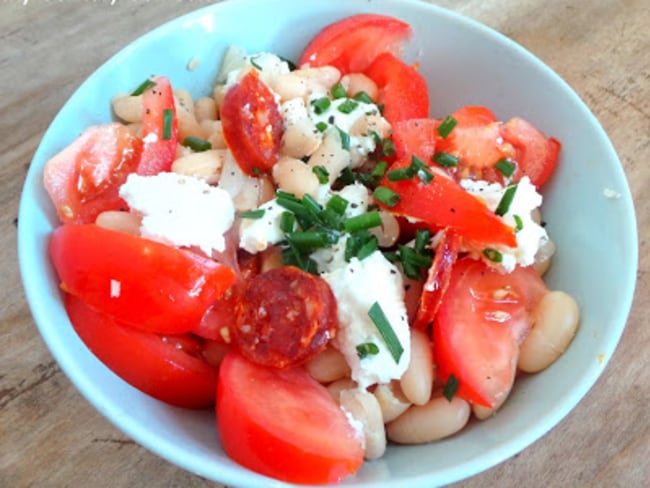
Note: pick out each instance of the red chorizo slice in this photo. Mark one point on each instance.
(286, 317)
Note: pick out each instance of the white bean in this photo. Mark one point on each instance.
(358, 82)
(417, 380)
(300, 138)
(302, 83)
(391, 400)
(483, 413)
(338, 386)
(437, 419)
(388, 233)
(544, 257)
(363, 407)
(206, 165)
(126, 222)
(213, 132)
(205, 108)
(331, 155)
(294, 176)
(128, 108)
(556, 319)
(328, 366)
(187, 123)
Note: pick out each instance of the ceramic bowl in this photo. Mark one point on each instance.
(465, 63)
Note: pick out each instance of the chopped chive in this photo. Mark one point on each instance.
(257, 171)
(493, 255)
(445, 159)
(252, 60)
(309, 240)
(381, 108)
(366, 220)
(378, 317)
(291, 64)
(446, 126)
(421, 170)
(422, 239)
(376, 137)
(197, 144)
(451, 387)
(322, 126)
(408, 255)
(345, 139)
(346, 177)
(168, 120)
(505, 166)
(400, 174)
(310, 204)
(368, 248)
(348, 106)
(379, 170)
(253, 214)
(367, 349)
(386, 196)
(321, 105)
(322, 174)
(519, 224)
(506, 201)
(388, 148)
(142, 87)
(363, 97)
(338, 204)
(338, 91)
(292, 257)
(287, 222)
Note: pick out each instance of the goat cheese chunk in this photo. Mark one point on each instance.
(530, 236)
(180, 210)
(357, 286)
(255, 235)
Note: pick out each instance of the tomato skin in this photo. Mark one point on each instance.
(283, 424)
(415, 137)
(84, 179)
(402, 89)
(158, 152)
(151, 363)
(285, 317)
(482, 320)
(142, 283)
(252, 125)
(351, 44)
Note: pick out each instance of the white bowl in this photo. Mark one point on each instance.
(465, 63)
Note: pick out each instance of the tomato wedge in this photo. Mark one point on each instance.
(142, 283)
(252, 125)
(168, 368)
(159, 128)
(353, 43)
(283, 424)
(483, 318)
(84, 179)
(415, 137)
(402, 90)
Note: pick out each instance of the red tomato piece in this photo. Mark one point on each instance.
(483, 318)
(286, 316)
(252, 125)
(415, 137)
(353, 43)
(168, 368)
(283, 424)
(142, 283)
(444, 203)
(159, 128)
(402, 90)
(536, 154)
(84, 179)
(437, 282)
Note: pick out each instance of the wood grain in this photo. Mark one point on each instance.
(51, 437)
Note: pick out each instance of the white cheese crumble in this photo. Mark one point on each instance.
(268, 65)
(255, 235)
(530, 237)
(180, 210)
(116, 288)
(357, 286)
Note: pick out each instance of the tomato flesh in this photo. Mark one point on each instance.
(84, 179)
(139, 282)
(283, 424)
(153, 364)
(351, 44)
(482, 320)
(415, 137)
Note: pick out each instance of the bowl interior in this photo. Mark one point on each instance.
(465, 63)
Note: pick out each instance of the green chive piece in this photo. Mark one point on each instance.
(363, 97)
(253, 214)
(451, 387)
(377, 315)
(168, 119)
(386, 196)
(338, 204)
(376, 137)
(421, 170)
(322, 126)
(338, 91)
(321, 105)
(368, 248)
(348, 106)
(493, 255)
(322, 174)
(367, 349)
(445, 159)
(422, 240)
(446, 126)
(519, 224)
(142, 87)
(400, 174)
(360, 245)
(506, 200)
(388, 148)
(363, 221)
(255, 64)
(379, 170)
(345, 139)
(506, 167)
(309, 240)
(291, 64)
(197, 144)
(257, 171)
(287, 222)
(292, 257)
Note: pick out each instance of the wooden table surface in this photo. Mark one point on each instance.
(51, 437)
